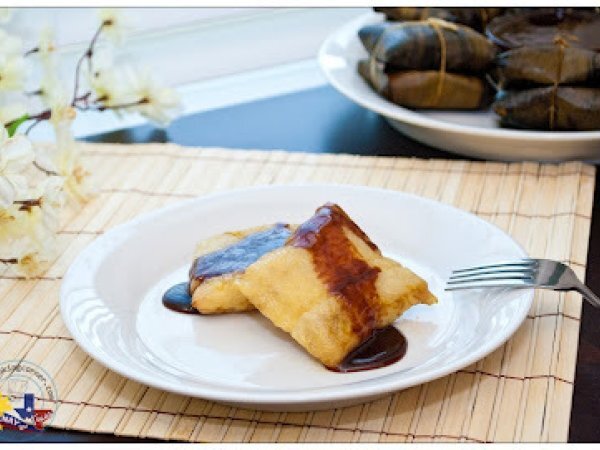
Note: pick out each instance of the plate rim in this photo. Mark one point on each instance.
(401, 114)
(278, 399)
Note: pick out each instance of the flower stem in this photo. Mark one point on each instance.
(9, 261)
(44, 115)
(32, 51)
(46, 171)
(86, 55)
(101, 107)
(26, 205)
(37, 118)
(32, 126)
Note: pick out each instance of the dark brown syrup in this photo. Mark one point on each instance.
(178, 299)
(384, 347)
(340, 266)
(233, 259)
(349, 277)
(237, 257)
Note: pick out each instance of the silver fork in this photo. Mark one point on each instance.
(521, 274)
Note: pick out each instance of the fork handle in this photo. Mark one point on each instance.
(588, 294)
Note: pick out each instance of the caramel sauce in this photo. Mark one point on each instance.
(384, 347)
(178, 298)
(233, 259)
(339, 265)
(237, 257)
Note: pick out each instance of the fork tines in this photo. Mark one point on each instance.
(513, 274)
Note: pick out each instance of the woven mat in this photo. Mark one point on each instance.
(521, 392)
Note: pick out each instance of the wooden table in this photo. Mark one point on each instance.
(321, 120)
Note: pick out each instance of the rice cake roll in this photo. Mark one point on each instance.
(330, 287)
(222, 259)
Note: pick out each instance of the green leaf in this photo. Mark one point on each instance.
(11, 127)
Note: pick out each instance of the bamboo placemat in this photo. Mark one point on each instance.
(521, 392)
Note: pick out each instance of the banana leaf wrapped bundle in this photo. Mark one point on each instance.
(550, 65)
(577, 27)
(427, 64)
(550, 75)
(563, 108)
(425, 45)
(476, 18)
(427, 89)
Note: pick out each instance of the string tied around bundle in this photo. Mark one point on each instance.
(562, 43)
(379, 81)
(439, 26)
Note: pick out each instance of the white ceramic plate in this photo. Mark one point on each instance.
(111, 300)
(470, 133)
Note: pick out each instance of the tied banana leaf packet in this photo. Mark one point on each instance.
(418, 46)
(548, 65)
(428, 89)
(561, 108)
(577, 27)
(476, 18)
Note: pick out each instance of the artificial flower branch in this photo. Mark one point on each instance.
(36, 180)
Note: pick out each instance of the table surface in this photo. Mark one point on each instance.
(322, 120)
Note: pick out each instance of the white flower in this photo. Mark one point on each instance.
(76, 177)
(12, 63)
(52, 201)
(109, 88)
(32, 227)
(42, 216)
(16, 154)
(44, 161)
(31, 264)
(125, 89)
(26, 246)
(114, 24)
(30, 205)
(46, 45)
(8, 223)
(157, 103)
(67, 158)
(103, 57)
(29, 226)
(62, 113)
(106, 81)
(50, 192)
(12, 111)
(12, 72)
(53, 92)
(9, 44)
(8, 191)
(46, 49)
(5, 15)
